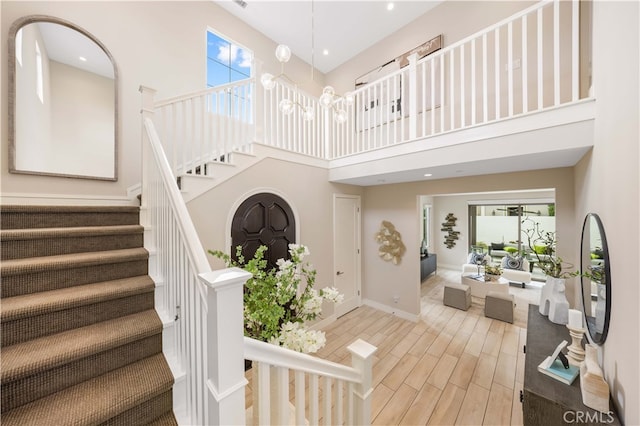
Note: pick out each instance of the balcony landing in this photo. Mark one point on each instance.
(555, 137)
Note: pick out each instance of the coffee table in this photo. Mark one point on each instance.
(480, 288)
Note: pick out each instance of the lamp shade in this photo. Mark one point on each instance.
(283, 53)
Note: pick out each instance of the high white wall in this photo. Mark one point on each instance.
(161, 45)
(607, 183)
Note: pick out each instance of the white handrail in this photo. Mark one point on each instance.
(277, 356)
(197, 255)
(270, 375)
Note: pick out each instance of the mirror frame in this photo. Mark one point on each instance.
(17, 25)
(586, 280)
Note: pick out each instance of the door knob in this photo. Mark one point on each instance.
(339, 273)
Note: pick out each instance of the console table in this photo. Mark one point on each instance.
(428, 265)
(547, 401)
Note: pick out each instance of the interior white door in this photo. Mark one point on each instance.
(346, 249)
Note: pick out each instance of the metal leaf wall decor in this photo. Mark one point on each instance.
(447, 226)
(391, 246)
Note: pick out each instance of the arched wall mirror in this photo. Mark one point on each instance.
(62, 101)
(596, 278)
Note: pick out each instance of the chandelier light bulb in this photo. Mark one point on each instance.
(307, 115)
(283, 53)
(267, 81)
(340, 116)
(329, 91)
(349, 98)
(326, 100)
(286, 106)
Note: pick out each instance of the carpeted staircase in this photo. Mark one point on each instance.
(81, 341)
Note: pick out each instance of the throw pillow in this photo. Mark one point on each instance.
(510, 262)
(474, 258)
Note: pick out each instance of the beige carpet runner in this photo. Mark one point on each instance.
(81, 341)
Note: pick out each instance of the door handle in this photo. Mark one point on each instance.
(339, 273)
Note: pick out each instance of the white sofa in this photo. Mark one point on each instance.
(518, 276)
(522, 277)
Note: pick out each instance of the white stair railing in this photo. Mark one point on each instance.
(206, 126)
(188, 296)
(203, 322)
(336, 394)
(292, 132)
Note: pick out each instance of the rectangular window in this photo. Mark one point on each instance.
(499, 229)
(226, 61)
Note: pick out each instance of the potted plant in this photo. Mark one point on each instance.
(542, 245)
(492, 272)
(279, 302)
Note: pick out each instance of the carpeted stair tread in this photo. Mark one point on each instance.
(30, 357)
(24, 216)
(79, 231)
(65, 261)
(167, 419)
(97, 400)
(33, 304)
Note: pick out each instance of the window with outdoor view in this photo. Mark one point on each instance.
(500, 229)
(226, 61)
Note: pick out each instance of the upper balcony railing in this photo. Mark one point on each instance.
(524, 64)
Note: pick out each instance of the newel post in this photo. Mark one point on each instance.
(362, 360)
(225, 346)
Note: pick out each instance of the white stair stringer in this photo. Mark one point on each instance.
(192, 186)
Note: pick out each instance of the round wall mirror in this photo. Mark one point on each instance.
(596, 278)
(62, 101)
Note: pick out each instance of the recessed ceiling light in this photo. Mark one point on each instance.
(325, 51)
(390, 6)
(428, 175)
(82, 58)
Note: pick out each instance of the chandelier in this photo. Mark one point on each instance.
(329, 100)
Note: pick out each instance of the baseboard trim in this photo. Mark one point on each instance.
(390, 310)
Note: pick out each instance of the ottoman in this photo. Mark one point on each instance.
(457, 296)
(499, 306)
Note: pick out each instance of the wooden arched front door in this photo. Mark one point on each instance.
(263, 219)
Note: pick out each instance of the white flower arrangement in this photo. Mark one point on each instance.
(279, 302)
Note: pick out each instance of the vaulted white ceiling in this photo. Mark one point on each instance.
(343, 28)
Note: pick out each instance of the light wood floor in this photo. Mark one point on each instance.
(451, 367)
